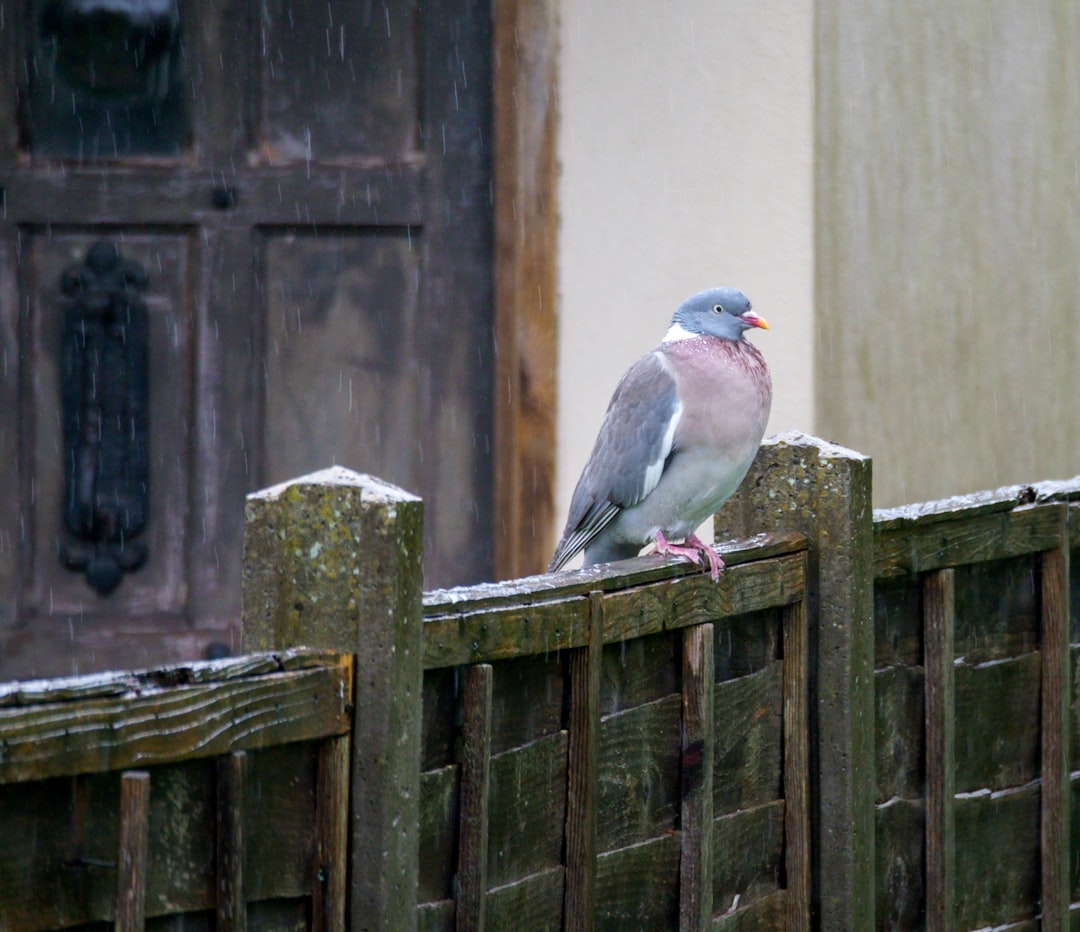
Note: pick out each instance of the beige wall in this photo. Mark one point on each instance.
(948, 238)
(906, 171)
(686, 152)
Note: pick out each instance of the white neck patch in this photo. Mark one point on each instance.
(678, 332)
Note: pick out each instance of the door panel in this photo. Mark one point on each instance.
(309, 190)
(159, 585)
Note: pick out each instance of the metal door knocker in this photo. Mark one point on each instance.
(105, 416)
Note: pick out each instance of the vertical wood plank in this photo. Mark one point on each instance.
(363, 594)
(231, 900)
(526, 43)
(584, 727)
(134, 844)
(804, 484)
(475, 786)
(1055, 717)
(938, 632)
(796, 767)
(332, 832)
(698, 742)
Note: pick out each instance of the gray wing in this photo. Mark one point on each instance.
(629, 456)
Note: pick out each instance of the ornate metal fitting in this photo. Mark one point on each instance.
(105, 405)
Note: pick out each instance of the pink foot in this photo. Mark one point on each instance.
(694, 549)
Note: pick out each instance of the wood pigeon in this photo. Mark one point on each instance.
(680, 432)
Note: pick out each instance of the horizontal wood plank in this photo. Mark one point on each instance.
(527, 809)
(638, 774)
(899, 737)
(992, 889)
(163, 725)
(997, 723)
(637, 887)
(899, 853)
(923, 545)
(438, 833)
(768, 912)
(384, 195)
(534, 902)
(749, 854)
(749, 745)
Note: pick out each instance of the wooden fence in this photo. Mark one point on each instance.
(866, 724)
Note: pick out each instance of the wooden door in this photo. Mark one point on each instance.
(307, 190)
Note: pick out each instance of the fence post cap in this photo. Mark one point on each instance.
(372, 488)
(825, 448)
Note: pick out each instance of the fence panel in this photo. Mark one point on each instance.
(108, 786)
(637, 753)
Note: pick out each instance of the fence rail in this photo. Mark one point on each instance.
(871, 722)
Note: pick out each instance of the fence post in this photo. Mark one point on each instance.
(334, 560)
(799, 483)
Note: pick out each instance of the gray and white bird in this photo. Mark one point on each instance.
(680, 432)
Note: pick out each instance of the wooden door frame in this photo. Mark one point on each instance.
(525, 108)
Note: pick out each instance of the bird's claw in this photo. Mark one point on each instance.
(693, 548)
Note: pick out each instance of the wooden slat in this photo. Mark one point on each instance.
(939, 621)
(142, 682)
(796, 767)
(231, 896)
(1056, 684)
(584, 728)
(748, 854)
(698, 756)
(607, 577)
(475, 787)
(332, 835)
(769, 912)
(132, 856)
(61, 739)
(383, 194)
(532, 903)
(688, 597)
(637, 886)
(921, 547)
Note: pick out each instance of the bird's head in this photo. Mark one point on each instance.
(718, 312)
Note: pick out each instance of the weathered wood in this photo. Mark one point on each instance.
(637, 886)
(475, 788)
(749, 715)
(439, 729)
(502, 634)
(637, 671)
(667, 606)
(139, 682)
(533, 902)
(229, 838)
(797, 852)
(131, 856)
(435, 917)
(638, 773)
(802, 484)
(749, 854)
(997, 723)
(997, 609)
(164, 725)
(899, 732)
(898, 626)
(605, 577)
(512, 629)
(439, 806)
(527, 700)
(332, 835)
(527, 809)
(1054, 849)
(696, 794)
(899, 855)
(583, 742)
(748, 643)
(992, 889)
(920, 547)
(767, 912)
(525, 117)
(335, 559)
(939, 615)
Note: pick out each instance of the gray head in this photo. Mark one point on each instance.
(718, 312)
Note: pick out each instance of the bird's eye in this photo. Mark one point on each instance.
(718, 309)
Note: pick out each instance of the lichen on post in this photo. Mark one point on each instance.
(334, 560)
